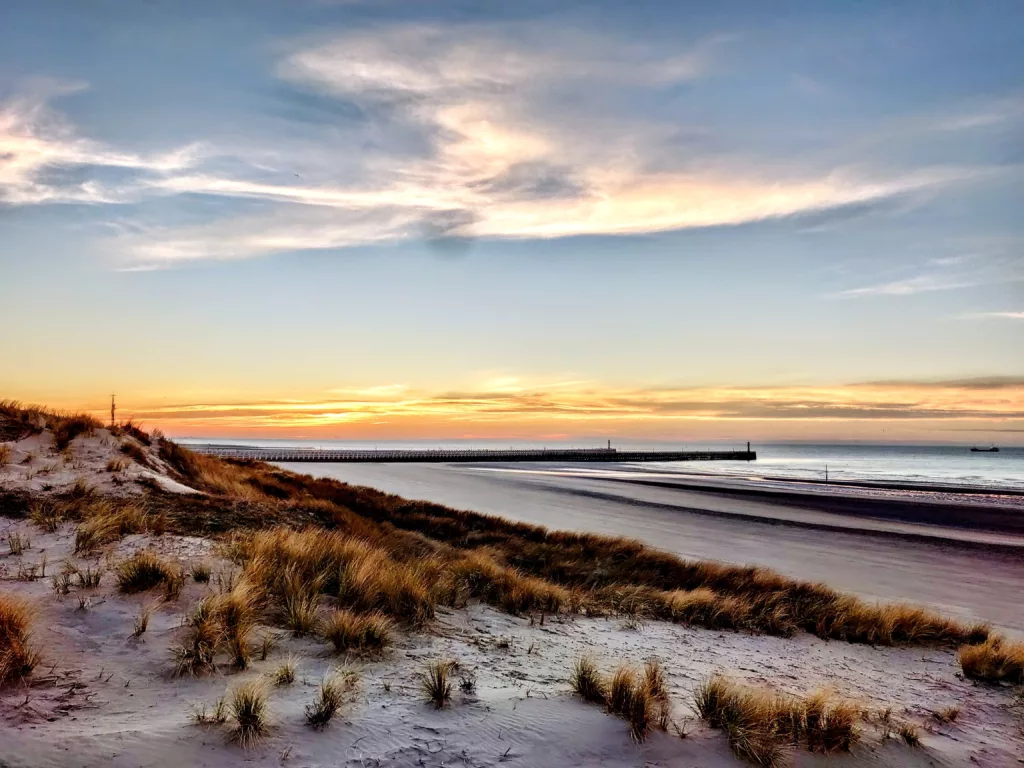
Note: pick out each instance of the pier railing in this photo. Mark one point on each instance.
(467, 455)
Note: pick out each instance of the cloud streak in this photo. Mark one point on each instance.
(576, 407)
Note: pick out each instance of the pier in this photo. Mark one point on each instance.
(467, 455)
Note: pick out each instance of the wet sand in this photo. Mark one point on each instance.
(961, 570)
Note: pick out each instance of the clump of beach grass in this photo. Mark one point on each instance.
(48, 514)
(17, 656)
(200, 572)
(330, 697)
(142, 571)
(142, 620)
(285, 672)
(106, 522)
(758, 722)
(996, 660)
(218, 716)
(436, 682)
(17, 542)
(588, 683)
(249, 709)
(349, 631)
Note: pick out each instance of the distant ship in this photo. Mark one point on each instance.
(976, 449)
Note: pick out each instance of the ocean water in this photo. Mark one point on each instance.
(901, 464)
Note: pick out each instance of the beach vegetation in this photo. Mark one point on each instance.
(436, 682)
(142, 571)
(18, 657)
(249, 709)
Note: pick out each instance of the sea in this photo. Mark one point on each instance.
(912, 465)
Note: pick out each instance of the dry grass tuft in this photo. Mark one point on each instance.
(200, 573)
(5, 455)
(910, 734)
(758, 722)
(249, 710)
(995, 660)
(587, 681)
(107, 521)
(142, 571)
(205, 636)
(135, 452)
(285, 672)
(349, 631)
(947, 714)
(48, 513)
(330, 697)
(142, 620)
(17, 543)
(17, 657)
(66, 428)
(436, 682)
(219, 715)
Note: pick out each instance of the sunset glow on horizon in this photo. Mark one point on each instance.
(549, 221)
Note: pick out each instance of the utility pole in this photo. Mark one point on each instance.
(113, 410)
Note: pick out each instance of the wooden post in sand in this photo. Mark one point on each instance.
(113, 408)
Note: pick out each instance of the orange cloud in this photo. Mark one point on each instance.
(903, 410)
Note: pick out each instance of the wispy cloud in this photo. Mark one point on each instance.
(994, 315)
(908, 287)
(486, 131)
(38, 148)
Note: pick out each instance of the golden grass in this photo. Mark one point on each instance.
(205, 635)
(330, 697)
(5, 455)
(587, 681)
(142, 620)
(200, 572)
(249, 710)
(640, 698)
(142, 571)
(66, 428)
(285, 672)
(758, 721)
(107, 521)
(17, 656)
(456, 556)
(995, 660)
(48, 513)
(436, 682)
(349, 631)
(219, 624)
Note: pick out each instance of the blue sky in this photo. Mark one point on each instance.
(257, 203)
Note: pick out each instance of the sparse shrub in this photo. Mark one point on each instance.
(106, 523)
(200, 573)
(250, 712)
(587, 681)
(67, 428)
(174, 583)
(285, 672)
(117, 465)
(17, 543)
(947, 714)
(90, 577)
(467, 682)
(136, 452)
(995, 660)
(198, 653)
(329, 698)
(142, 620)
(218, 716)
(61, 584)
(350, 631)
(910, 734)
(48, 514)
(436, 682)
(142, 571)
(17, 656)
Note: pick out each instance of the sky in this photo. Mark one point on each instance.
(534, 220)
